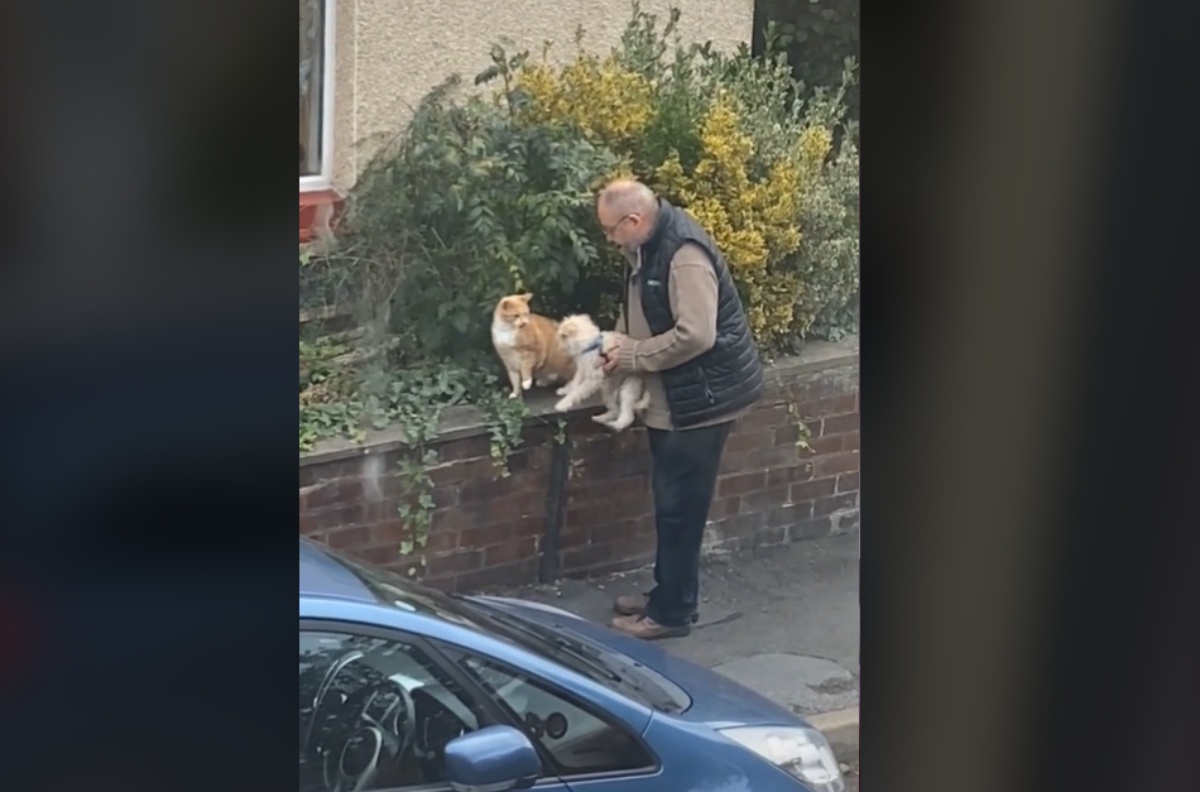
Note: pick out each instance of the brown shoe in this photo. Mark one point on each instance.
(630, 604)
(635, 605)
(647, 629)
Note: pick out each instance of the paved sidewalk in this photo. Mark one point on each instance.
(783, 620)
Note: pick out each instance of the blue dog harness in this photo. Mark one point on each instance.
(594, 346)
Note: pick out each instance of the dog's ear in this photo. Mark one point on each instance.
(527, 297)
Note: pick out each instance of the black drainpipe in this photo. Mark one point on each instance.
(556, 508)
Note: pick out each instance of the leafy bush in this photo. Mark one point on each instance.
(466, 207)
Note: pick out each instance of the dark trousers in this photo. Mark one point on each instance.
(684, 475)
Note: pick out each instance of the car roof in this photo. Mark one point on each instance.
(323, 575)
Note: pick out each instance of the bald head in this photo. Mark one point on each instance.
(627, 210)
(625, 196)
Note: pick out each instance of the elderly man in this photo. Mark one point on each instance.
(684, 330)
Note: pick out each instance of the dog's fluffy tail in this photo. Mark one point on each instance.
(643, 403)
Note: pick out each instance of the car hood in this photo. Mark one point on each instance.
(716, 700)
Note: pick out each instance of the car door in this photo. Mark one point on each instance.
(583, 746)
(378, 707)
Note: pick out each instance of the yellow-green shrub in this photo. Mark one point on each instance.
(607, 103)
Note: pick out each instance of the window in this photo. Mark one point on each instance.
(316, 47)
(578, 741)
(375, 714)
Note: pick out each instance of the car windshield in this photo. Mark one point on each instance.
(601, 665)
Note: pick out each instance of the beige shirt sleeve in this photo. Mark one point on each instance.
(692, 291)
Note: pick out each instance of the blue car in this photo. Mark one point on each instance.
(405, 688)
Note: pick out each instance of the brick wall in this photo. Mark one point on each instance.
(514, 530)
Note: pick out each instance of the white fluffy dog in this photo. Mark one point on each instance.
(624, 394)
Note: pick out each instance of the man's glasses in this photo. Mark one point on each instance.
(616, 225)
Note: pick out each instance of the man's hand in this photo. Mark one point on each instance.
(609, 355)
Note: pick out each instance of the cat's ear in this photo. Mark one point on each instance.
(527, 297)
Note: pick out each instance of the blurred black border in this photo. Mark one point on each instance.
(1029, 396)
(147, 318)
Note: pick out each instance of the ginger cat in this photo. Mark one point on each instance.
(528, 345)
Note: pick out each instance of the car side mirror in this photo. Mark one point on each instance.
(493, 759)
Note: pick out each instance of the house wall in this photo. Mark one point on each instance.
(390, 53)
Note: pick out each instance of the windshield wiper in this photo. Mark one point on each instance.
(542, 635)
(617, 669)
